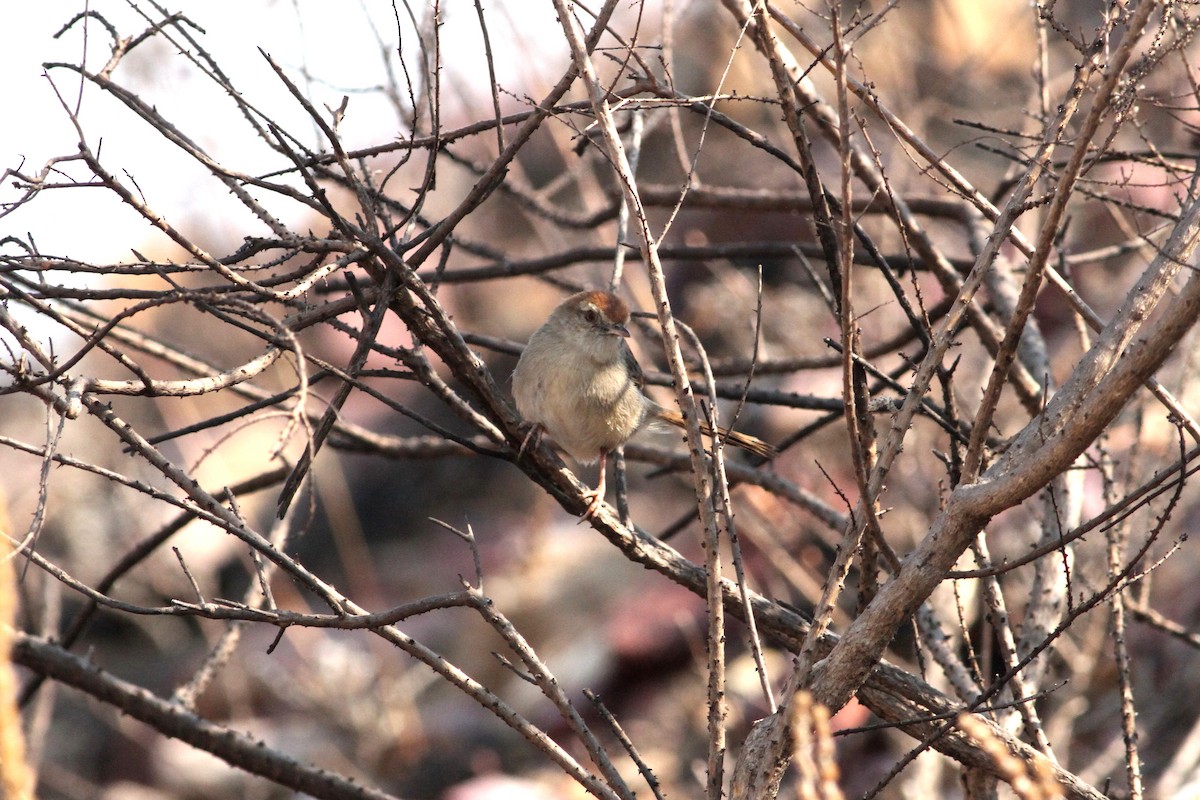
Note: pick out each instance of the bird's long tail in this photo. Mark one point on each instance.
(751, 444)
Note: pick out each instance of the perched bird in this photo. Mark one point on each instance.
(578, 380)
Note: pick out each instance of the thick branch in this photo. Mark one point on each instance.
(170, 719)
(1048, 445)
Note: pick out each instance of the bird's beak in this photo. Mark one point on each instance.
(617, 329)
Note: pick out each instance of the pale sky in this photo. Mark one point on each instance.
(332, 40)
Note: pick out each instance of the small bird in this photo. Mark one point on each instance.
(578, 380)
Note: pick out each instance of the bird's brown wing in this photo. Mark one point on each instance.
(635, 370)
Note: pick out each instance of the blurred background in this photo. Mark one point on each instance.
(963, 75)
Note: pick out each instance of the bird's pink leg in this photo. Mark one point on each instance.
(597, 495)
(532, 439)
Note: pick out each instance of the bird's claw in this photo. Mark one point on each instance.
(595, 500)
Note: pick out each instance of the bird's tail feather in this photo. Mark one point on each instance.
(751, 444)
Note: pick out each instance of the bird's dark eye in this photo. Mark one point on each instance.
(592, 316)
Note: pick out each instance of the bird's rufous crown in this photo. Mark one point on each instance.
(612, 307)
